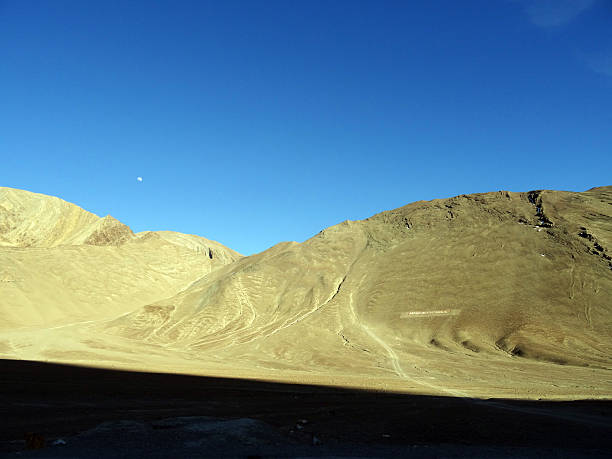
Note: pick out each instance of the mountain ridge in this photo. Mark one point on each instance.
(440, 296)
(60, 263)
(83, 227)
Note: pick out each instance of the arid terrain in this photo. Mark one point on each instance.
(501, 295)
(488, 295)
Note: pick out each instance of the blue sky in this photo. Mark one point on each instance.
(257, 122)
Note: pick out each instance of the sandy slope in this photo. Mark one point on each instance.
(498, 294)
(60, 264)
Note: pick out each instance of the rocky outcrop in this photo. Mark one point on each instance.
(109, 231)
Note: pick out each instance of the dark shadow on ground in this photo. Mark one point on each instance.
(63, 400)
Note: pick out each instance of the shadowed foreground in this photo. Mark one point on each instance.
(262, 418)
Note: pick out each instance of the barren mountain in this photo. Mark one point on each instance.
(61, 264)
(497, 294)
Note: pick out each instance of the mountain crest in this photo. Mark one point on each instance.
(109, 231)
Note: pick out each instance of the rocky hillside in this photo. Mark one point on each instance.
(497, 294)
(36, 220)
(61, 264)
(431, 288)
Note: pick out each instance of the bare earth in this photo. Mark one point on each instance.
(498, 295)
(110, 413)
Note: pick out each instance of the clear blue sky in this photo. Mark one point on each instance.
(257, 122)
